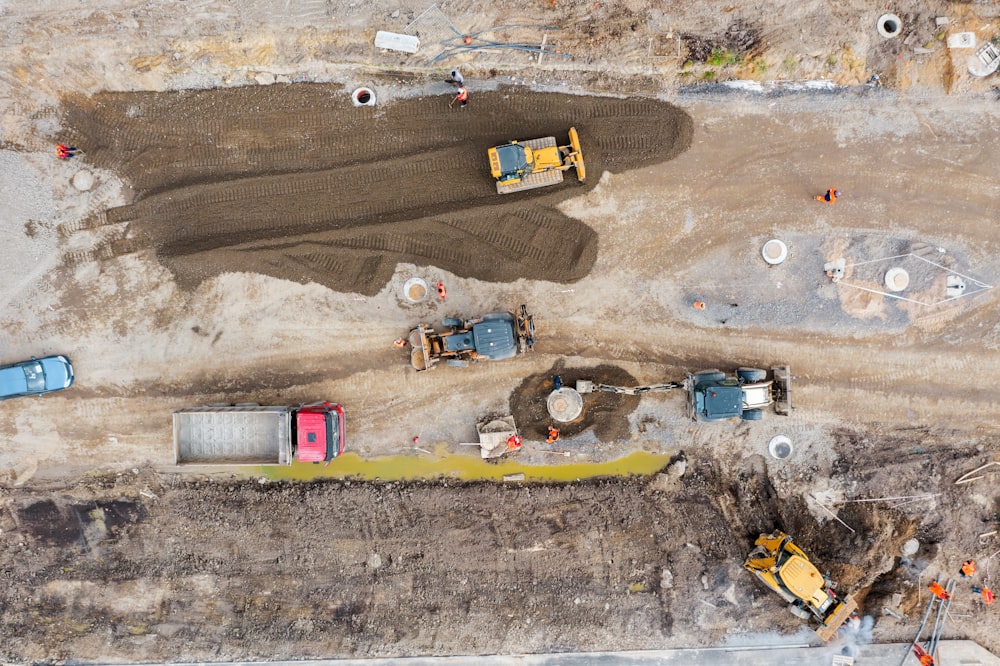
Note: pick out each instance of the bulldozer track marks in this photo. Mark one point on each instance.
(109, 250)
(295, 182)
(84, 224)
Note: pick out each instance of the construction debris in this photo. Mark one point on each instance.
(968, 478)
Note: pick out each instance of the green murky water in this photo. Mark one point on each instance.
(443, 464)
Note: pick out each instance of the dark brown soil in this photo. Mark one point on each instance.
(246, 571)
(295, 182)
(606, 413)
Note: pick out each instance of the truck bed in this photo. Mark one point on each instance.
(243, 435)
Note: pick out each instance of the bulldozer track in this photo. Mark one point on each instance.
(93, 221)
(265, 172)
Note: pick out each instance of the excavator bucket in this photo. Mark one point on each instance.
(525, 329)
(782, 390)
(420, 356)
(839, 617)
(576, 157)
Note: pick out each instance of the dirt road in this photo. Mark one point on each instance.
(250, 244)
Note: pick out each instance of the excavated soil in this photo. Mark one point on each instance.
(141, 564)
(605, 413)
(296, 182)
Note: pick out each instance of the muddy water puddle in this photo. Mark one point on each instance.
(444, 465)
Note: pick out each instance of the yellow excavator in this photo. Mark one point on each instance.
(525, 165)
(783, 567)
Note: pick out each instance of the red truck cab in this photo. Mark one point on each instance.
(319, 432)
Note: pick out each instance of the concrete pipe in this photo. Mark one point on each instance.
(363, 97)
(889, 25)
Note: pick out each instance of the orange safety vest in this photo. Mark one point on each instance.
(938, 591)
(463, 95)
(513, 443)
(968, 568)
(441, 290)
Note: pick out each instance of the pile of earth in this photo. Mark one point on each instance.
(296, 182)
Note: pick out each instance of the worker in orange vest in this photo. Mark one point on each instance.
(553, 435)
(514, 443)
(925, 659)
(939, 591)
(968, 569)
(442, 292)
(65, 152)
(400, 343)
(462, 97)
(830, 196)
(987, 594)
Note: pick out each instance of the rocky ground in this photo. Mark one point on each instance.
(236, 230)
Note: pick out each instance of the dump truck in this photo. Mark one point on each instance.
(526, 165)
(251, 434)
(712, 395)
(492, 337)
(784, 568)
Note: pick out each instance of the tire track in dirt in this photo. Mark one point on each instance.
(295, 182)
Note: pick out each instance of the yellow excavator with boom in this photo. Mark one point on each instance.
(525, 165)
(784, 567)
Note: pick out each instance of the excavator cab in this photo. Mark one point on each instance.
(785, 568)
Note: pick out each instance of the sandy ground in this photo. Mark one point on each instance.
(145, 279)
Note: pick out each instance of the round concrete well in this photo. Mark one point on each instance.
(897, 279)
(889, 25)
(415, 290)
(780, 447)
(83, 180)
(774, 251)
(564, 405)
(363, 97)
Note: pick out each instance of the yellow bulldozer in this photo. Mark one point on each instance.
(525, 165)
(785, 568)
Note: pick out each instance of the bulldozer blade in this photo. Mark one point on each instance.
(834, 622)
(574, 142)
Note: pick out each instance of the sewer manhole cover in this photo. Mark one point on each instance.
(897, 279)
(774, 251)
(564, 405)
(780, 447)
(415, 290)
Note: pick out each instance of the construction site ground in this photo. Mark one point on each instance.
(235, 230)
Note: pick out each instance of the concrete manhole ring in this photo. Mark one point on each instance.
(363, 97)
(774, 251)
(897, 279)
(564, 405)
(82, 180)
(780, 447)
(889, 25)
(415, 290)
